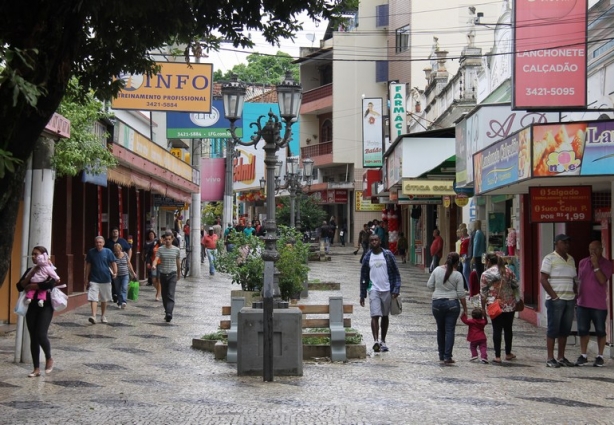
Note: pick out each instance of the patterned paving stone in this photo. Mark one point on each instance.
(74, 384)
(562, 402)
(105, 366)
(27, 405)
(130, 350)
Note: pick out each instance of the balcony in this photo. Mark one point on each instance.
(318, 100)
(321, 153)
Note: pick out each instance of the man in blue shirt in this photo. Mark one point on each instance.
(100, 269)
(380, 277)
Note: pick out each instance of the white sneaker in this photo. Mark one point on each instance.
(41, 303)
(123, 306)
(92, 320)
(103, 319)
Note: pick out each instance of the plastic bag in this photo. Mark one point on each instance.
(21, 308)
(133, 290)
(396, 307)
(59, 300)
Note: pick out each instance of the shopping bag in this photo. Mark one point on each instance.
(494, 309)
(59, 300)
(133, 290)
(21, 308)
(396, 307)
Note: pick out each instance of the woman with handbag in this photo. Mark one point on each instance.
(38, 318)
(124, 271)
(448, 288)
(498, 289)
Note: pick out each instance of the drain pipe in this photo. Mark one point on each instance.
(25, 238)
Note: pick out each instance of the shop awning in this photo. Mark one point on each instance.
(437, 155)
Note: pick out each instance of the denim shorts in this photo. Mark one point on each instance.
(560, 317)
(586, 315)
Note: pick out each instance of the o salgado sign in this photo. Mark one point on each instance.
(550, 54)
(398, 115)
(372, 133)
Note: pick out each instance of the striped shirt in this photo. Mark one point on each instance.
(561, 274)
(122, 266)
(168, 259)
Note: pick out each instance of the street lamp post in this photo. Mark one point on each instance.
(289, 95)
(294, 185)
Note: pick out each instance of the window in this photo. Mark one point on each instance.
(381, 15)
(326, 131)
(381, 71)
(402, 39)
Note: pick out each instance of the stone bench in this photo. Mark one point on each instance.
(333, 320)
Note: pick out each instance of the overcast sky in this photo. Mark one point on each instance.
(228, 57)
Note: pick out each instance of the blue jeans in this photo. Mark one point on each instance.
(560, 317)
(446, 314)
(586, 315)
(120, 283)
(211, 253)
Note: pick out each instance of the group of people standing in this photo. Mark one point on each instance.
(567, 289)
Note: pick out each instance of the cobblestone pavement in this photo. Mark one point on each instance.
(140, 370)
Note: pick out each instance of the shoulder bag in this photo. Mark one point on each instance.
(397, 307)
(494, 309)
(59, 300)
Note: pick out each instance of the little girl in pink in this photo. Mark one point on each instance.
(42, 271)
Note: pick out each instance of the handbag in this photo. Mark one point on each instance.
(59, 300)
(397, 307)
(133, 290)
(494, 309)
(21, 308)
(519, 305)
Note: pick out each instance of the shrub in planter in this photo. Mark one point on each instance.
(244, 263)
(292, 263)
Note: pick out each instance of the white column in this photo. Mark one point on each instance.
(195, 215)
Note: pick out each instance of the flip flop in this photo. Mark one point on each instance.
(496, 361)
(34, 374)
(510, 357)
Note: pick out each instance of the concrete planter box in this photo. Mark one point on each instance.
(352, 351)
(204, 344)
(250, 296)
(219, 348)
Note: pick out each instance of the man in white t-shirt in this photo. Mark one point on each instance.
(558, 278)
(380, 277)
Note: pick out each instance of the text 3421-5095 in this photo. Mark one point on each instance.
(554, 91)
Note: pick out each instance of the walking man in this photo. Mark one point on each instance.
(436, 250)
(363, 240)
(558, 274)
(593, 274)
(380, 277)
(100, 270)
(210, 243)
(168, 260)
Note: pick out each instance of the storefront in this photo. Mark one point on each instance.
(559, 178)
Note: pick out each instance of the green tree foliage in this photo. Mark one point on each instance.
(262, 69)
(211, 211)
(44, 44)
(312, 214)
(84, 148)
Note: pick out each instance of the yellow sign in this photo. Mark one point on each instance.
(141, 145)
(365, 204)
(428, 187)
(177, 88)
(461, 200)
(446, 201)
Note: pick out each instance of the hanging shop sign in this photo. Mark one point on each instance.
(365, 204)
(398, 113)
(178, 87)
(461, 200)
(331, 196)
(163, 201)
(201, 125)
(550, 54)
(560, 204)
(372, 132)
(428, 187)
